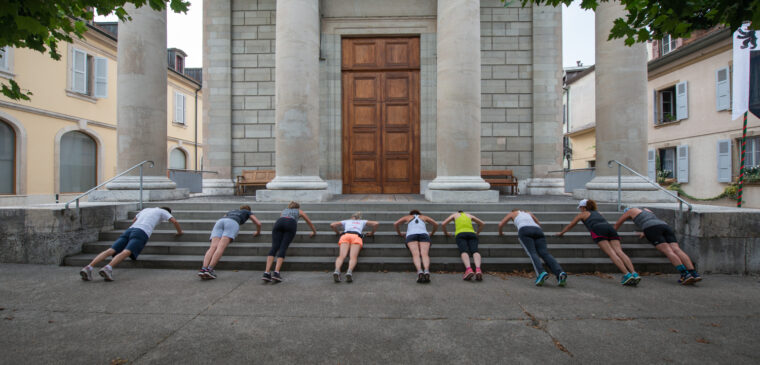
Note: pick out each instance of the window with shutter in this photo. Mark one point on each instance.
(722, 90)
(665, 105)
(752, 152)
(683, 164)
(179, 108)
(724, 160)
(668, 162)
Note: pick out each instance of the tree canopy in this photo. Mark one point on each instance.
(41, 24)
(652, 19)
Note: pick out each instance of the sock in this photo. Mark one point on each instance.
(681, 269)
(427, 271)
(88, 267)
(419, 271)
(348, 272)
(109, 267)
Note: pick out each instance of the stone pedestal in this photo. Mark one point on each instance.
(545, 186)
(296, 105)
(458, 106)
(633, 190)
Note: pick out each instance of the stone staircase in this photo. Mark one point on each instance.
(386, 251)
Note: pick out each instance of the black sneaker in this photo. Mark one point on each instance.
(276, 277)
(267, 277)
(210, 274)
(427, 277)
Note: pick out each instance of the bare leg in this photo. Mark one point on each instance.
(414, 248)
(270, 260)
(278, 266)
(353, 257)
(102, 256)
(619, 250)
(605, 246)
(465, 259)
(682, 255)
(210, 251)
(668, 252)
(120, 257)
(341, 256)
(221, 246)
(425, 253)
(476, 258)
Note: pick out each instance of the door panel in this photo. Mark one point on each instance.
(381, 115)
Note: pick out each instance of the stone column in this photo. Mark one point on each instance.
(547, 102)
(141, 108)
(296, 105)
(217, 93)
(458, 106)
(621, 117)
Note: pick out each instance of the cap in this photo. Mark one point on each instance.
(582, 203)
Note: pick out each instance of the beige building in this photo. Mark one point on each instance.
(580, 132)
(63, 141)
(692, 138)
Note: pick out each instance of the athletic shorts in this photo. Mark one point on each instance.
(603, 232)
(133, 239)
(660, 234)
(421, 237)
(225, 227)
(467, 242)
(350, 238)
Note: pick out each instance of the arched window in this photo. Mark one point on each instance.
(7, 159)
(79, 162)
(177, 159)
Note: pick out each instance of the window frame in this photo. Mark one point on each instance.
(667, 44)
(662, 152)
(60, 164)
(89, 90)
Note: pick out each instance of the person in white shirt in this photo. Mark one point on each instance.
(418, 241)
(350, 243)
(533, 240)
(131, 242)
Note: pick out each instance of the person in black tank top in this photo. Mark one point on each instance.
(606, 237)
(224, 232)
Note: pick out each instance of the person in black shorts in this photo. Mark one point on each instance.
(467, 241)
(606, 237)
(664, 240)
(418, 241)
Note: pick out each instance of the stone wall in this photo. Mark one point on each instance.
(253, 46)
(507, 87)
(48, 235)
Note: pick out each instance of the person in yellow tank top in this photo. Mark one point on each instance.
(467, 241)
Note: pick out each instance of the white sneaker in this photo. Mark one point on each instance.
(336, 277)
(106, 273)
(86, 273)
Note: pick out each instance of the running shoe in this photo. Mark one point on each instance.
(210, 274)
(336, 277)
(276, 277)
(686, 279)
(420, 277)
(202, 273)
(267, 277)
(627, 279)
(107, 273)
(696, 276)
(636, 279)
(562, 279)
(349, 277)
(427, 277)
(541, 278)
(468, 274)
(478, 274)
(86, 273)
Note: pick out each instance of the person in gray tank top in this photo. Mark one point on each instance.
(662, 236)
(283, 232)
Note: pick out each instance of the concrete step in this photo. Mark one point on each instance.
(369, 263)
(565, 250)
(385, 226)
(382, 206)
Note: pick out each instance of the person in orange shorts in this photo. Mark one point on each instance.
(350, 243)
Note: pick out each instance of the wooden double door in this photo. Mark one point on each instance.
(381, 115)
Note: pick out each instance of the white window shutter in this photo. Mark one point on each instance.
(3, 58)
(683, 164)
(722, 90)
(682, 101)
(179, 108)
(79, 71)
(651, 168)
(655, 107)
(724, 160)
(101, 77)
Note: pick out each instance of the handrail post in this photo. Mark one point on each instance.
(141, 187)
(619, 188)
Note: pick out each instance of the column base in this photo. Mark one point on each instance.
(213, 187)
(293, 195)
(545, 186)
(633, 190)
(134, 195)
(462, 196)
(149, 183)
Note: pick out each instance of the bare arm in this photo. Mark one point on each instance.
(336, 227)
(504, 222)
(479, 222)
(572, 224)
(445, 222)
(432, 222)
(534, 218)
(374, 225)
(401, 220)
(622, 219)
(258, 225)
(176, 226)
(308, 221)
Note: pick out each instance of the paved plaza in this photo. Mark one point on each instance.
(49, 316)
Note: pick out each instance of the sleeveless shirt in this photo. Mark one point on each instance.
(416, 226)
(647, 219)
(524, 220)
(463, 224)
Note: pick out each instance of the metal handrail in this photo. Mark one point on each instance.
(681, 202)
(140, 165)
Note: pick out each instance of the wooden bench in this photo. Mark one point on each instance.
(500, 178)
(252, 178)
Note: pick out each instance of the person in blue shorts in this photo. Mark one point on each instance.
(418, 241)
(225, 231)
(131, 242)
